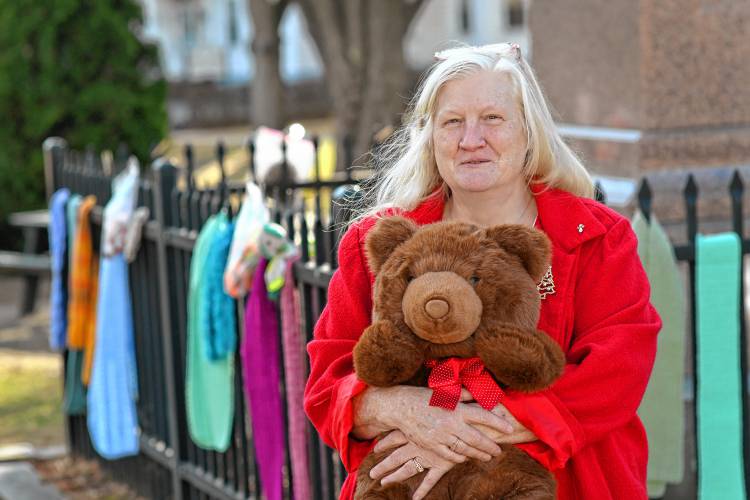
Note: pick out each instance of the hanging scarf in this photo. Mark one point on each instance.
(74, 398)
(71, 217)
(662, 409)
(113, 388)
(58, 251)
(294, 369)
(260, 362)
(219, 325)
(83, 286)
(276, 248)
(209, 388)
(719, 398)
(243, 253)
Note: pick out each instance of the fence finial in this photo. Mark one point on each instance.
(251, 159)
(691, 212)
(644, 199)
(190, 167)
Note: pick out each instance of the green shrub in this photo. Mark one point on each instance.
(74, 69)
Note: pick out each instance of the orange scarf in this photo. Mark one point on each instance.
(84, 275)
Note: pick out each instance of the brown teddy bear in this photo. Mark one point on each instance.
(452, 290)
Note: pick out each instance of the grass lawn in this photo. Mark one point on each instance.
(30, 398)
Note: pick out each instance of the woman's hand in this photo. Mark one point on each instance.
(520, 433)
(449, 434)
(400, 465)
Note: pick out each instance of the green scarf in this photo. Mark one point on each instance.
(662, 409)
(209, 387)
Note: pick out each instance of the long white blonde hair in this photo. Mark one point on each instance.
(407, 172)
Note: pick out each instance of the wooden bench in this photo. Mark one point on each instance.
(32, 263)
(23, 264)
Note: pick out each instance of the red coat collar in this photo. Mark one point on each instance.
(561, 215)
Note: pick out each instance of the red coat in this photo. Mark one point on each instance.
(588, 430)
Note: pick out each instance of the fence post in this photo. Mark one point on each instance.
(53, 149)
(165, 180)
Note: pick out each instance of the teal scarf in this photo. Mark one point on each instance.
(209, 388)
(719, 398)
(74, 399)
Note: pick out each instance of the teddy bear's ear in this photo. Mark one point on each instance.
(531, 246)
(383, 239)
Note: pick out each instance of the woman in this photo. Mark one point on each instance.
(480, 146)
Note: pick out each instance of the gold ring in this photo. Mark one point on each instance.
(455, 445)
(420, 467)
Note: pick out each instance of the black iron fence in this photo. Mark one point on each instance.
(170, 465)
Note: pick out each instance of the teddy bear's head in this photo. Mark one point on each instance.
(445, 279)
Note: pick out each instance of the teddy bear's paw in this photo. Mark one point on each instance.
(524, 360)
(385, 356)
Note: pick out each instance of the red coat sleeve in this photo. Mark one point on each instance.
(610, 357)
(332, 383)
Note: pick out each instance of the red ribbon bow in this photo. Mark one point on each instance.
(450, 374)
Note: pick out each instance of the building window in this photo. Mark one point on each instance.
(191, 21)
(465, 17)
(514, 8)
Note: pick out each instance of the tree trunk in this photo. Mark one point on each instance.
(266, 88)
(361, 43)
(386, 83)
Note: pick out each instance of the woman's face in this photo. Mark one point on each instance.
(478, 134)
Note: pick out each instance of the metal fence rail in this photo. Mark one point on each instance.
(170, 465)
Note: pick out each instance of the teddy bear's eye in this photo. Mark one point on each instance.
(474, 280)
(409, 278)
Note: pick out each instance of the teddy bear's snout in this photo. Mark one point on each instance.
(437, 308)
(441, 307)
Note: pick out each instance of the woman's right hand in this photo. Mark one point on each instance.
(449, 434)
(402, 462)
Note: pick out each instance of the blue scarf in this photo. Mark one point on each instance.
(113, 388)
(58, 250)
(219, 319)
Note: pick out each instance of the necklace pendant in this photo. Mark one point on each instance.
(547, 285)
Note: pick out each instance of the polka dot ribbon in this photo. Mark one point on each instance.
(450, 374)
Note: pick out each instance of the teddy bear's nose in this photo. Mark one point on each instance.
(437, 308)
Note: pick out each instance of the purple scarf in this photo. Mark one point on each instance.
(294, 368)
(260, 364)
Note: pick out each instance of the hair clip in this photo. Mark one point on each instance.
(442, 55)
(516, 50)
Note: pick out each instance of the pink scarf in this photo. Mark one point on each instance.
(294, 368)
(260, 364)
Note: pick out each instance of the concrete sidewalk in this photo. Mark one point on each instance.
(20, 481)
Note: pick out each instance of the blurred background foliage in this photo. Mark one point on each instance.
(74, 69)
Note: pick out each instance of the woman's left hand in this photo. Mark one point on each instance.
(519, 435)
(401, 466)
